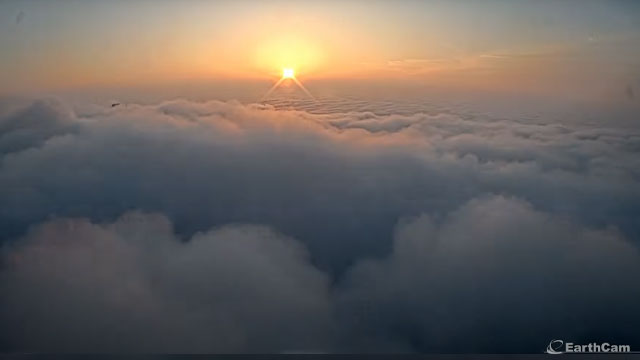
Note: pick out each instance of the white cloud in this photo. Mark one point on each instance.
(495, 275)
(338, 183)
(132, 285)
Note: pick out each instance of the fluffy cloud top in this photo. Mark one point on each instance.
(133, 286)
(427, 232)
(495, 275)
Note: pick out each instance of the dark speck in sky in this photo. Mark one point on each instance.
(19, 17)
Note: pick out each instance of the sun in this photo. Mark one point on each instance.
(288, 73)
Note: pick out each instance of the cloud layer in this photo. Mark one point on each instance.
(132, 285)
(247, 228)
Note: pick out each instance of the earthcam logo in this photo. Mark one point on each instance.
(556, 347)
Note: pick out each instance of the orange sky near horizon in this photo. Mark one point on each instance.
(539, 47)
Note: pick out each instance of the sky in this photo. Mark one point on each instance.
(459, 177)
(587, 49)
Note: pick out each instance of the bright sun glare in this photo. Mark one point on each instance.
(287, 73)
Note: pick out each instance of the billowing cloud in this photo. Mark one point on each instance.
(31, 126)
(406, 209)
(132, 285)
(495, 275)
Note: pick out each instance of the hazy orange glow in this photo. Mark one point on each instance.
(288, 74)
(427, 43)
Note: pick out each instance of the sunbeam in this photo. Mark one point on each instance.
(288, 73)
